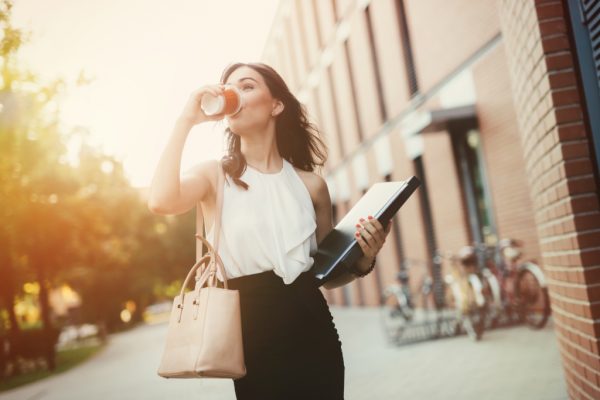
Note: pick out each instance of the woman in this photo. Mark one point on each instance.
(275, 211)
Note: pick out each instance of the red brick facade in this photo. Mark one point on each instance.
(561, 180)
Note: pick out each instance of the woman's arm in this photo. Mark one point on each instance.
(170, 193)
(323, 209)
(371, 236)
(324, 215)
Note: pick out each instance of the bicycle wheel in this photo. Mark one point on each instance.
(532, 296)
(474, 315)
(393, 315)
(493, 299)
(474, 323)
(452, 312)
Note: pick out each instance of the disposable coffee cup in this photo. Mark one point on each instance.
(227, 103)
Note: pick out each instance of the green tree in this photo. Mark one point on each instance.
(78, 223)
(28, 140)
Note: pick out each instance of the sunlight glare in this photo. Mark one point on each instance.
(129, 69)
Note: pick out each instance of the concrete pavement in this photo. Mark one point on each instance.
(511, 363)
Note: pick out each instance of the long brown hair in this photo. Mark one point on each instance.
(297, 138)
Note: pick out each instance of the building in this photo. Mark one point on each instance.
(494, 104)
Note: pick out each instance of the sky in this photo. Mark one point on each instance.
(144, 58)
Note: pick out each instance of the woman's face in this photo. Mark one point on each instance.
(258, 104)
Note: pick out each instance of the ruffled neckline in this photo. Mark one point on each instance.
(272, 174)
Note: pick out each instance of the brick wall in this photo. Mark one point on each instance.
(445, 33)
(343, 95)
(364, 74)
(412, 229)
(386, 33)
(562, 186)
(449, 214)
(500, 140)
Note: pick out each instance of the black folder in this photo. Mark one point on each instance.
(339, 249)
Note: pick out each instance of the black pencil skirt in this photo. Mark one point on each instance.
(291, 346)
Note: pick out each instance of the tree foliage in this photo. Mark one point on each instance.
(73, 221)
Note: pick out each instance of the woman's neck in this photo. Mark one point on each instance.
(261, 153)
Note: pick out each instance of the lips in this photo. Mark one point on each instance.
(234, 116)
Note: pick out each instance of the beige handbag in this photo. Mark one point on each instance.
(204, 337)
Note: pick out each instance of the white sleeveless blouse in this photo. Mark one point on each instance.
(270, 226)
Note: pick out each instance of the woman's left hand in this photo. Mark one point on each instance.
(371, 235)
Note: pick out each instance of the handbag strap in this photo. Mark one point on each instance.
(217, 222)
(218, 210)
(218, 263)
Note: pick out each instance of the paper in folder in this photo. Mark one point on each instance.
(339, 249)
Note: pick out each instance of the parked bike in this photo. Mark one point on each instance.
(513, 288)
(464, 302)
(398, 307)
(466, 293)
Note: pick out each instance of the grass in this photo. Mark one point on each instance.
(65, 360)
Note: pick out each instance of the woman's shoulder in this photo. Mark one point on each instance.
(206, 169)
(316, 185)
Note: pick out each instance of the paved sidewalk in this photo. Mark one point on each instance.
(512, 363)
(507, 364)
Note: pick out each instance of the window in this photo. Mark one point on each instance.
(585, 28)
(474, 184)
(381, 101)
(353, 89)
(407, 48)
(427, 217)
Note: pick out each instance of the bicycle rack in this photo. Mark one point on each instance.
(433, 325)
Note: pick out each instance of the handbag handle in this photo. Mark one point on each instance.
(214, 262)
(195, 267)
(217, 263)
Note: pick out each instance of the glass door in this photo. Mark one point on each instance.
(475, 188)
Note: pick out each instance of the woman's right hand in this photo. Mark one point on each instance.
(192, 112)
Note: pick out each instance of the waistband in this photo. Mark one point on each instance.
(269, 279)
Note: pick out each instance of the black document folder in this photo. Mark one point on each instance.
(339, 249)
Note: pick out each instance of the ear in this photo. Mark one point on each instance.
(277, 108)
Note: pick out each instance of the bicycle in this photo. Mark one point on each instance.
(491, 288)
(462, 296)
(466, 294)
(516, 289)
(399, 309)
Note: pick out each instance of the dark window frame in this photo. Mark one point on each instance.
(409, 62)
(587, 76)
